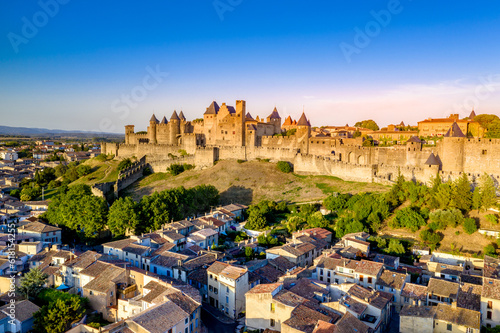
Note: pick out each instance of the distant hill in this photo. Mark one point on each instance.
(26, 131)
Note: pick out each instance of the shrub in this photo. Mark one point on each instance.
(444, 218)
(285, 167)
(241, 161)
(125, 163)
(470, 226)
(176, 169)
(431, 237)
(490, 250)
(492, 218)
(407, 218)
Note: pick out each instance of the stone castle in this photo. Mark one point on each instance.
(228, 132)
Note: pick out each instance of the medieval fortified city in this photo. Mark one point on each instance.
(354, 188)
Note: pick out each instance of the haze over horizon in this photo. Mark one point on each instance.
(70, 65)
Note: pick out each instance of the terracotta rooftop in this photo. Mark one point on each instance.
(418, 311)
(161, 318)
(323, 327)
(458, 316)
(226, 270)
(469, 296)
(24, 310)
(289, 298)
(38, 227)
(370, 296)
(119, 244)
(391, 279)
(282, 263)
(491, 288)
(305, 319)
(415, 291)
(349, 324)
(369, 267)
(443, 288)
(264, 288)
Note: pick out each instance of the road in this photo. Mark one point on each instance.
(215, 326)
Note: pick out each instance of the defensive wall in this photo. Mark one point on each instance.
(344, 158)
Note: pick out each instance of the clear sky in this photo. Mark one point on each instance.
(71, 64)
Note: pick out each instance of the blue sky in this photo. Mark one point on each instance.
(420, 59)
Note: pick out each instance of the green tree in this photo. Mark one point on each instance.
(395, 247)
(30, 193)
(123, 217)
(462, 195)
(57, 316)
(32, 283)
(336, 202)
(488, 191)
(494, 130)
(486, 120)
(470, 226)
(407, 218)
(249, 253)
(79, 210)
(83, 170)
(256, 221)
(490, 250)
(370, 124)
(285, 167)
(430, 237)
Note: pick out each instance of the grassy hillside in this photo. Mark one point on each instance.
(250, 182)
(101, 172)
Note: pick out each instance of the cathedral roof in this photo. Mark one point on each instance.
(455, 132)
(472, 115)
(274, 115)
(414, 139)
(213, 108)
(153, 118)
(174, 116)
(164, 120)
(288, 121)
(303, 121)
(181, 116)
(433, 160)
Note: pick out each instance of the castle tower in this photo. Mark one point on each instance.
(210, 122)
(175, 128)
(129, 130)
(275, 119)
(182, 119)
(241, 111)
(452, 149)
(303, 134)
(152, 129)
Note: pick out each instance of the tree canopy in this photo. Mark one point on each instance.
(370, 124)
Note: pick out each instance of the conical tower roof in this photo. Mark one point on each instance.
(455, 132)
(164, 120)
(433, 160)
(288, 121)
(294, 122)
(472, 115)
(249, 116)
(303, 121)
(174, 116)
(414, 139)
(181, 116)
(274, 114)
(213, 108)
(153, 118)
